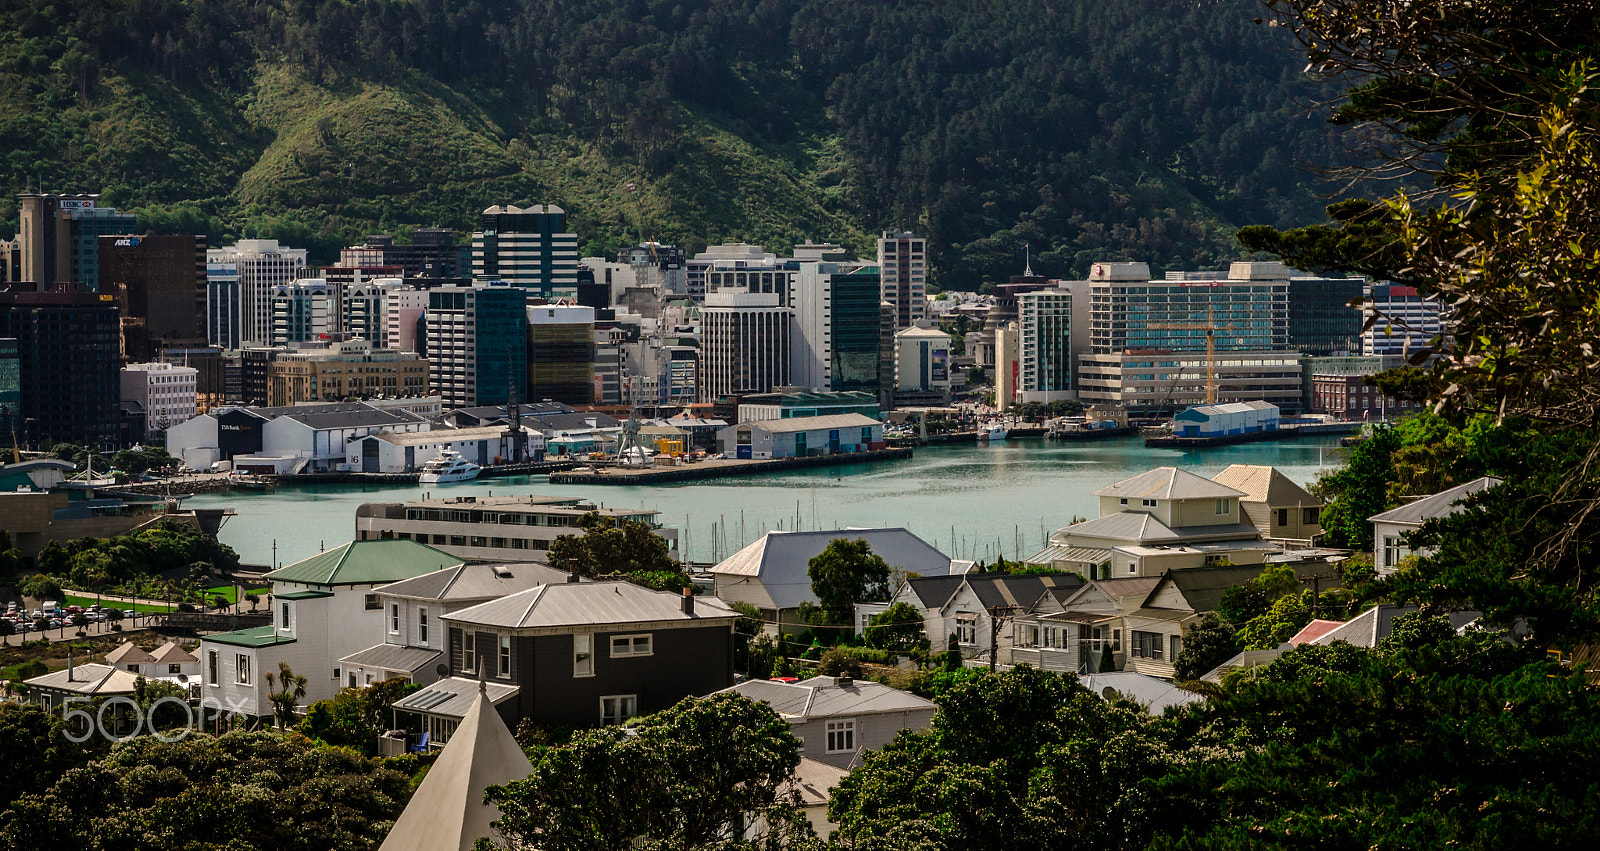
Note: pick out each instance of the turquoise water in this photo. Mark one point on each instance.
(971, 501)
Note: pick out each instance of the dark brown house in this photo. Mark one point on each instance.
(585, 654)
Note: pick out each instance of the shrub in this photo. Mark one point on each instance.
(839, 662)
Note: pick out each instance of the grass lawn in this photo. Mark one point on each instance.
(79, 600)
(231, 592)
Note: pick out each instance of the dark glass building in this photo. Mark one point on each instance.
(69, 365)
(857, 339)
(1321, 320)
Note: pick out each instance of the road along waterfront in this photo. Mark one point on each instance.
(970, 501)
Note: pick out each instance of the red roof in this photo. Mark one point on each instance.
(1313, 631)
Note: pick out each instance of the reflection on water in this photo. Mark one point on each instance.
(971, 501)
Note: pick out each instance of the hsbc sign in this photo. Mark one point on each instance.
(76, 204)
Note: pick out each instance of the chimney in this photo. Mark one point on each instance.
(572, 576)
(69, 666)
(688, 601)
(843, 682)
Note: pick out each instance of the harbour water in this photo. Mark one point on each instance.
(972, 501)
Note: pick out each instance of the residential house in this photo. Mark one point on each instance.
(1068, 629)
(1161, 520)
(131, 657)
(448, 812)
(91, 683)
(771, 573)
(324, 609)
(1273, 503)
(413, 637)
(1390, 528)
(579, 653)
(975, 609)
(838, 719)
(169, 661)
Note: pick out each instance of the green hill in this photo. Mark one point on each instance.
(1140, 129)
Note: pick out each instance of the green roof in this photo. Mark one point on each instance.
(256, 636)
(302, 595)
(366, 563)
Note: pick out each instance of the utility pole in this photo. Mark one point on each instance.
(997, 616)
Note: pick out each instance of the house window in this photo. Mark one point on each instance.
(336, 674)
(134, 668)
(1222, 507)
(1052, 636)
(1147, 645)
(1310, 516)
(174, 669)
(1174, 646)
(422, 626)
(1148, 503)
(583, 655)
(394, 618)
(618, 708)
(372, 602)
(1283, 517)
(469, 652)
(211, 667)
(284, 625)
(241, 669)
(1214, 559)
(1393, 551)
(630, 645)
(353, 683)
(1123, 501)
(504, 672)
(967, 629)
(842, 736)
(1027, 635)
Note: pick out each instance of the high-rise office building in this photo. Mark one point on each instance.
(527, 248)
(10, 388)
(167, 393)
(68, 350)
(245, 274)
(1322, 319)
(903, 259)
(159, 282)
(304, 310)
(348, 370)
(1246, 307)
(1407, 321)
(561, 354)
(922, 365)
(659, 267)
(835, 342)
(1045, 350)
(738, 267)
(432, 253)
(60, 238)
(744, 344)
(476, 343)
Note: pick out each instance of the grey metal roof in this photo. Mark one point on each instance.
(453, 697)
(170, 654)
(439, 435)
(570, 604)
(475, 581)
(1000, 589)
(129, 654)
(358, 418)
(826, 421)
(1167, 483)
(778, 561)
(92, 678)
(1091, 555)
(1156, 695)
(1441, 504)
(1144, 528)
(819, 697)
(934, 591)
(393, 657)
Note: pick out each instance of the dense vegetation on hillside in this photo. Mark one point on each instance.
(1141, 129)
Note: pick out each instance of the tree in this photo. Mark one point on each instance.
(1358, 490)
(221, 603)
(41, 587)
(1208, 643)
(80, 620)
(847, 572)
(7, 629)
(839, 662)
(898, 627)
(1287, 615)
(284, 690)
(628, 549)
(253, 599)
(686, 777)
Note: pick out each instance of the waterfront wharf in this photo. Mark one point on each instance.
(1288, 431)
(716, 468)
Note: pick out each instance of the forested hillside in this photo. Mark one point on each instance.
(1145, 129)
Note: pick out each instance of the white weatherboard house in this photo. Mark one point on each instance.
(324, 609)
(964, 607)
(771, 573)
(414, 639)
(1390, 528)
(836, 719)
(1157, 521)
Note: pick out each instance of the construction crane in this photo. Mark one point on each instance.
(1211, 328)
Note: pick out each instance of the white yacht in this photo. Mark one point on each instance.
(448, 466)
(994, 432)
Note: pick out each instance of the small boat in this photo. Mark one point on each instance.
(448, 466)
(995, 432)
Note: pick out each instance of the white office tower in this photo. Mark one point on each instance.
(167, 393)
(361, 311)
(1407, 321)
(903, 258)
(744, 344)
(616, 277)
(303, 311)
(402, 311)
(738, 267)
(248, 271)
(1044, 321)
